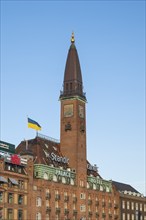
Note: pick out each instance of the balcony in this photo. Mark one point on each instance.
(74, 199)
(97, 203)
(67, 93)
(57, 197)
(103, 215)
(48, 196)
(89, 213)
(48, 209)
(66, 198)
(89, 202)
(110, 215)
(115, 216)
(66, 211)
(110, 205)
(103, 204)
(116, 206)
(57, 210)
(75, 212)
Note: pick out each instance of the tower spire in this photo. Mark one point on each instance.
(72, 38)
(72, 84)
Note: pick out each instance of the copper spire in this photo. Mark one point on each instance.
(72, 85)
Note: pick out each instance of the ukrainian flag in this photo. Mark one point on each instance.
(33, 124)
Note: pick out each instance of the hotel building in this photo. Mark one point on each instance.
(56, 181)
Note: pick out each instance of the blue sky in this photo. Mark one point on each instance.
(110, 39)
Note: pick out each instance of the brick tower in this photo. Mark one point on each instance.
(73, 116)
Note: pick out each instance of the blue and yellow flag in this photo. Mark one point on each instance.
(34, 125)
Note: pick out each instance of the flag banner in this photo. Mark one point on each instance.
(33, 124)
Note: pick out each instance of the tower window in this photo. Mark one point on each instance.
(71, 86)
(67, 86)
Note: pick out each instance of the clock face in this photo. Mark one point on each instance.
(68, 110)
(81, 111)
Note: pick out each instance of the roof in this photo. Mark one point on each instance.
(43, 150)
(124, 187)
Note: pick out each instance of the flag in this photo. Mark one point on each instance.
(33, 124)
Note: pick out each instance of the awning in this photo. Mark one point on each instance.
(13, 181)
(2, 179)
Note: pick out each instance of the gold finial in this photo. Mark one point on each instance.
(72, 38)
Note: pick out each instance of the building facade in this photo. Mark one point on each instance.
(132, 203)
(56, 182)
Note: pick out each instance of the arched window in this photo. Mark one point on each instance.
(45, 176)
(54, 178)
(63, 180)
(94, 186)
(72, 181)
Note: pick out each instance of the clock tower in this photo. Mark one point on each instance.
(73, 116)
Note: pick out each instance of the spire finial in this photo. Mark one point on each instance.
(72, 38)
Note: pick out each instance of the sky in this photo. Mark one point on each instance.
(110, 40)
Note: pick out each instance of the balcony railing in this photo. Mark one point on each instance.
(57, 210)
(74, 199)
(97, 203)
(110, 215)
(57, 197)
(66, 198)
(110, 205)
(66, 93)
(48, 196)
(66, 211)
(103, 204)
(89, 213)
(89, 202)
(48, 209)
(116, 206)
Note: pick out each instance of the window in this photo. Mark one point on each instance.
(10, 214)
(21, 184)
(144, 207)
(82, 196)
(10, 198)
(20, 199)
(72, 181)
(38, 216)
(1, 197)
(132, 205)
(136, 206)
(70, 86)
(67, 86)
(132, 217)
(123, 216)
(63, 180)
(128, 216)
(38, 202)
(140, 206)
(82, 208)
(45, 176)
(94, 186)
(81, 183)
(128, 205)
(54, 178)
(123, 204)
(20, 214)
